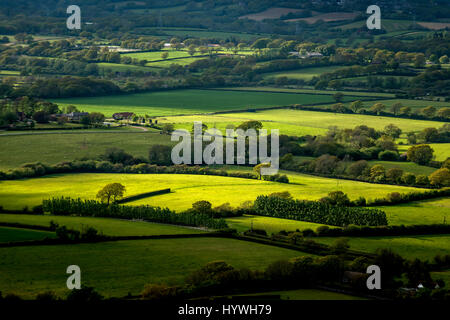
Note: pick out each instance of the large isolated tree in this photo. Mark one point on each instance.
(114, 191)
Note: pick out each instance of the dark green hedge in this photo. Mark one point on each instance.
(78, 207)
(318, 212)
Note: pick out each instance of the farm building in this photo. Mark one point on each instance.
(122, 115)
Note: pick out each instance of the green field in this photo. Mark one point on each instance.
(186, 189)
(18, 234)
(67, 145)
(312, 91)
(304, 74)
(441, 150)
(117, 67)
(420, 212)
(107, 226)
(405, 166)
(299, 122)
(389, 25)
(422, 247)
(269, 224)
(117, 268)
(190, 101)
(307, 294)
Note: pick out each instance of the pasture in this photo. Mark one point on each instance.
(441, 150)
(424, 247)
(304, 74)
(269, 224)
(57, 146)
(186, 189)
(421, 212)
(107, 226)
(307, 294)
(8, 234)
(122, 267)
(299, 122)
(405, 166)
(175, 102)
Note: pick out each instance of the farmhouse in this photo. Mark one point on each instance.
(122, 115)
(76, 115)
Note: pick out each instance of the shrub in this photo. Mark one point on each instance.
(85, 294)
(388, 155)
(409, 178)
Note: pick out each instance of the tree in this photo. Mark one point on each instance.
(338, 108)
(340, 245)
(444, 59)
(394, 175)
(420, 154)
(112, 190)
(191, 50)
(430, 135)
(167, 128)
(405, 111)
(164, 55)
(378, 108)
(202, 207)
(392, 131)
(338, 96)
(338, 198)
(160, 155)
(377, 173)
(444, 113)
(428, 111)
(258, 167)
(419, 60)
(409, 178)
(356, 105)
(395, 109)
(440, 177)
(96, 117)
(41, 117)
(252, 124)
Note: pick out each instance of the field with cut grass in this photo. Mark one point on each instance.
(8, 234)
(186, 189)
(271, 13)
(300, 122)
(54, 147)
(190, 101)
(107, 226)
(422, 247)
(122, 267)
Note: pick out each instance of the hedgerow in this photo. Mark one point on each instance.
(318, 212)
(91, 208)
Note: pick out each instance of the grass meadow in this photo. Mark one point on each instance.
(186, 189)
(18, 234)
(441, 150)
(55, 146)
(107, 226)
(190, 101)
(299, 122)
(424, 247)
(122, 267)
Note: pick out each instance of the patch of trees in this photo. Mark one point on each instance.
(318, 212)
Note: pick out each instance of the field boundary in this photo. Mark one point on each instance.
(143, 195)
